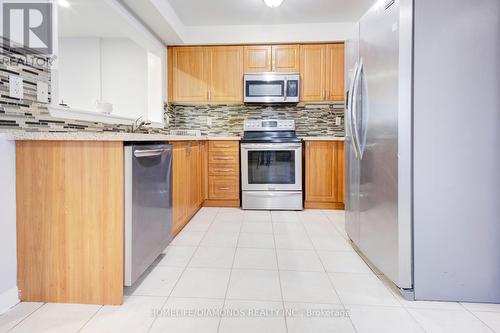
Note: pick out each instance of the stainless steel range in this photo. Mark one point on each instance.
(271, 165)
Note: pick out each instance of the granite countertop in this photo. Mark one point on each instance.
(322, 138)
(107, 136)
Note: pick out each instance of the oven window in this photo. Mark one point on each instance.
(265, 88)
(271, 167)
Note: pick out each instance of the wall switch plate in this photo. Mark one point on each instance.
(42, 92)
(16, 89)
(338, 120)
(209, 121)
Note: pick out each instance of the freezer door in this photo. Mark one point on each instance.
(351, 161)
(377, 126)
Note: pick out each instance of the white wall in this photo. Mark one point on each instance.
(155, 87)
(278, 33)
(113, 70)
(8, 260)
(79, 72)
(125, 76)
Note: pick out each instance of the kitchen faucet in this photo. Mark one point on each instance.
(136, 126)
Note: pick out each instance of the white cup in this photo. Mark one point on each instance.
(104, 107)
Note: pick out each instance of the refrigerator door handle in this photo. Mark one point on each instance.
(349, 106)
(354, 110)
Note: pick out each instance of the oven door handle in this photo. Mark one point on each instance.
(271, 146)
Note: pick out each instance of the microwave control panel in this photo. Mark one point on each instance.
(269, 125)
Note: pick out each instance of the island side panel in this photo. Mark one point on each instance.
(70, 221)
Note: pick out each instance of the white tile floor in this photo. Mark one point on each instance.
(259, 271)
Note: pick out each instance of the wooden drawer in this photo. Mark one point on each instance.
(224, 157)
(223, 188)
(232, 146)
(223, 169)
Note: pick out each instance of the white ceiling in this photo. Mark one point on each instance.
(255, 12)
(85, 18)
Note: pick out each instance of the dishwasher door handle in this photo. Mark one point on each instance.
(150, 152)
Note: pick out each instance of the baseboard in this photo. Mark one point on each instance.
(324, 205)
(221, 203)
(8, 299)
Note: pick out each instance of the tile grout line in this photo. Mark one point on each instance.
(91, 317)
(230, 273)
(180, 275)
(279, 274)
(26, 317)
(387, 288)
(474, 315)
(329, 278)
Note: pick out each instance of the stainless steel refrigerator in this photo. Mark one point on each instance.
(423, 146)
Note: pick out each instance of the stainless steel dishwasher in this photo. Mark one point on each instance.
(148, 206)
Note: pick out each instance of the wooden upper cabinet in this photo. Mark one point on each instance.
(312, 70)
(286, 58)
(335, 72)
(257, 58)
(275, 58)
(189, 74)
(322, 72)
(215, 73)
(226, 74)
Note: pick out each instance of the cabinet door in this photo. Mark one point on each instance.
(190, 70)
(204, 170)
(180, 176)
(226, 74)
(312, 67)
(257, 58)
(194, 181)
(335, 72)
(286, 58)
(324, 172)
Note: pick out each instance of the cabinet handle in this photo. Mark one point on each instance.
(223, 170)
(209, 95)
(223, 158)
(222, 146)
(224, 188)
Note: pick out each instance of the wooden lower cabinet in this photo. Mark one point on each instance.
(324, 174)
(188, 181)
(70, 221)
(223, 174)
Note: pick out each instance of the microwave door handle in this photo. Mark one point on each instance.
(285, 90)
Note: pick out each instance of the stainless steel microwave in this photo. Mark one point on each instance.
(271, 87)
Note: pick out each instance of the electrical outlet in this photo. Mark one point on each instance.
(209, 121)
(16, 86)
(338, 120)
(42, 92)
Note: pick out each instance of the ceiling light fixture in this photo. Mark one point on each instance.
(63, 3)
(273, 3)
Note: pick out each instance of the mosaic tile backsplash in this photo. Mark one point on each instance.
(310, 119)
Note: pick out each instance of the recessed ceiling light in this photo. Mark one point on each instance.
(63, 3)
(273, 3)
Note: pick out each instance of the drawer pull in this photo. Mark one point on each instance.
(222, 146)
(223, 158)
(223, 170)
(224, 188)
